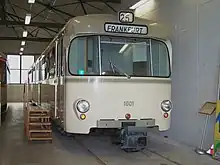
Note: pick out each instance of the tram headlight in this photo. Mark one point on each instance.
(166, 105)
(82, 106)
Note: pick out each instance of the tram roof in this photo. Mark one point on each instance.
(94, 24)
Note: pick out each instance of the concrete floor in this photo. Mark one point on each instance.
(15, 150)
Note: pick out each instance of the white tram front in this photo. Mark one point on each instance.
(107, 71)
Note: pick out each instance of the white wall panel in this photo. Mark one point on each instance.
(196, 53)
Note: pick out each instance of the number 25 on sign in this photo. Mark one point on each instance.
(126, 17)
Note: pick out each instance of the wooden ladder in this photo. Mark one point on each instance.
(37, 123)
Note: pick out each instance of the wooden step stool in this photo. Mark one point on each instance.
(37, 123)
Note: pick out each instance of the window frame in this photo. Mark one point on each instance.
(92, 75)
(9, 76)
(19, 64)
(22, 61)
(14, 69)
(24, 69)
(11, 71)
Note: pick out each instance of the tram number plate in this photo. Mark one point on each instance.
(126, 124)
(128, 103)
(126, 17)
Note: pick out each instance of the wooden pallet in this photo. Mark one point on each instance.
(37, 123)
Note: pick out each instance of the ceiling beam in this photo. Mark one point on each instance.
(37, 39)
(24, 9)
(14, 27)
(83, 7)
(36, 24)
(85, 1)
(92, 6)
(54, 9)
(66, 4)
(109, 6)
(20, 18)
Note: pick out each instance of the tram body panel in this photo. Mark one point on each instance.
(107, 97)
(104, 71)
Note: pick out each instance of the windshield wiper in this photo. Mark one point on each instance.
(120, 70)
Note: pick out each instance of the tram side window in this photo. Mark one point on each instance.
(8, 75)
(52, 63)
(113, 59)
(47, 67)
(83, 56)
(141, 60)
(123, 56)
(34, 76)
(93, 56)
(59, 57)
(160, 60)
(37, 72)
(30, 77)
(42, 70)
(63, 59)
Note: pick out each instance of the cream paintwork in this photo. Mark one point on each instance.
(106, 96)
(94, 24)
(107, 100)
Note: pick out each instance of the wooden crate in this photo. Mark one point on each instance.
(37, 123)
(40, 135)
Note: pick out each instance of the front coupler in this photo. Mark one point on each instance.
(133, 139)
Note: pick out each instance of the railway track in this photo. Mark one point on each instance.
(106, 153)
(99, 161)
(154, 152)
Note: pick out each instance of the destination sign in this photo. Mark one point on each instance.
(126, 28)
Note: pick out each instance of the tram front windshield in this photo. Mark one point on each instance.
(118, 56)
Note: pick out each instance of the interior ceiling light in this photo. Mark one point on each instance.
(123, 48)
(22, 43)
(25, 33)
(27, 19)
(77, 21)
(31, 1)
(22, 49)
(152, 24)
(143, 7)
(138, 4)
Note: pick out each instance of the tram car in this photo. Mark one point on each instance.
(107, 71)
(4, 71)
